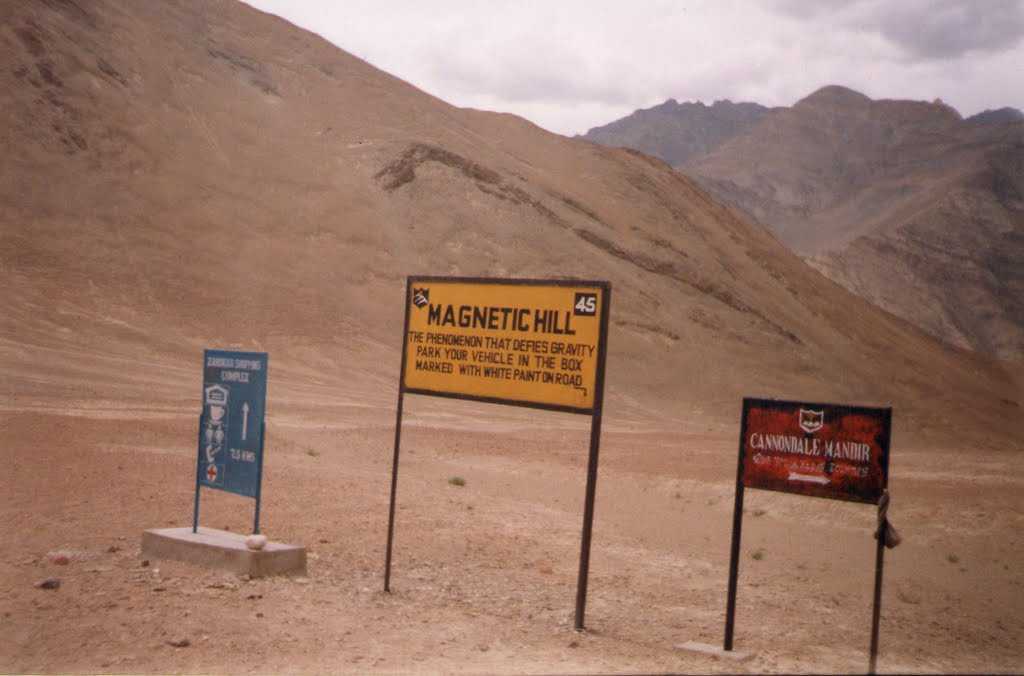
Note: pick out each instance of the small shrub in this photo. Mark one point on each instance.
(312, 453)
(952, 558)
(757, 555)
(456, 481)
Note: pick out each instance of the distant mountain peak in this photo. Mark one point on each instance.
(675, 131)
(998, 116)
(672, 105)
(839, 99)
(834, 94)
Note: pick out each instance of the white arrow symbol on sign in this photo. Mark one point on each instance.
(793, 476)
(245, 419)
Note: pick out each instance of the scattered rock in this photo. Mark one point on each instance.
(145, 563)
(907, 596)
(254, 597)
(59, 559)
(324, 541)
(574, 644)
(49, 583)
(180, 643)
(259, 615)
(113, 549)
(256, 542)
(222, 585)
(159, 589)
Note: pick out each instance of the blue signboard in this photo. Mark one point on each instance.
(231, 424)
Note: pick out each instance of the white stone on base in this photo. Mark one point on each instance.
(256, 541)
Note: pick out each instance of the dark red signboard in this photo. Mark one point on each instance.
(823, 450)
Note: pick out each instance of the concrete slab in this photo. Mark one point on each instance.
(714, 651)
(223, 550)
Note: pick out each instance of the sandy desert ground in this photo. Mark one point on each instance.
(484, 576)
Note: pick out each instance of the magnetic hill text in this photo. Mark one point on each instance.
(519, 319)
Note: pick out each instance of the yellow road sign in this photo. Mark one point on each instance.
(528, 342)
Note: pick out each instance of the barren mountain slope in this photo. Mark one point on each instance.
(837, 164)
(955, 265)
(179, 176)
(901, 202)
(905, 203)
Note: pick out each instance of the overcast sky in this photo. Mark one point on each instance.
(569, 65)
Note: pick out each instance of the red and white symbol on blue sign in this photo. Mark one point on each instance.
(211, 473)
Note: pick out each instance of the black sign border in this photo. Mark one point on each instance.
(885, 413)
(602, 352)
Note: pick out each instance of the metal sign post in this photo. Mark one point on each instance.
(876, 608)
(394, 482)
(229, 454)
(734, 555)
(259, 481)
(533, 343)
(820, 450)
(199, 462)
(588, 516)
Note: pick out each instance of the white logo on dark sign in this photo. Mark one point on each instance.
(811, 421)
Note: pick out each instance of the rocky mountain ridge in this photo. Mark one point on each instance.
(903, 202)
(678, 132)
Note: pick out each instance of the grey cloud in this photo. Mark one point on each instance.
(576, 64)
(552, 86)
(812, 8)
(923, 29)
(530, 70)
(952, 29)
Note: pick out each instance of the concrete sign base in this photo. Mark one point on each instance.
(223, 550)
